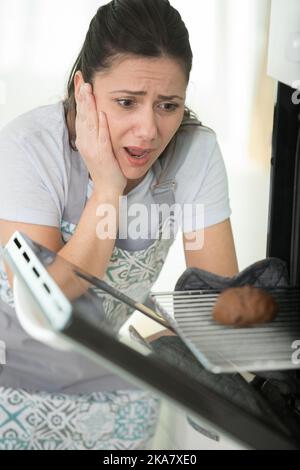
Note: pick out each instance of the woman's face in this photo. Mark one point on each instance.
(143, 99)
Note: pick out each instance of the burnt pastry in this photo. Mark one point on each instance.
(242, 306)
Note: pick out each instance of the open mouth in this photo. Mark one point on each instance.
(133, 155)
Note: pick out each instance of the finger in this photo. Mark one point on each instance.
(86, 123)
(80, 105)
(87, 112)
(91, 114)
(104, 134)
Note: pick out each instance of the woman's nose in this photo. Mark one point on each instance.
(146, 126)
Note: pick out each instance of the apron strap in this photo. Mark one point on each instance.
(165, 172)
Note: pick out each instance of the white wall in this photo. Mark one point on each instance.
(284, 44)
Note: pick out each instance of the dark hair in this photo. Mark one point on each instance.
(149, 28)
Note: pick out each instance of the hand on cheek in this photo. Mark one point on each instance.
(93, 141)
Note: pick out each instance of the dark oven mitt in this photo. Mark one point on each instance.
(269, 394)
(267, 272)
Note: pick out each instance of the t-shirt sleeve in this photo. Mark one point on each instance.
(209, 203)
(26, 195)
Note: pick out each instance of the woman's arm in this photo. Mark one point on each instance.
(217, 253)
(84, 249)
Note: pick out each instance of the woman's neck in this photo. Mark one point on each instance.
(131, 184)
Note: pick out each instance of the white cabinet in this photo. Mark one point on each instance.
(284, 42)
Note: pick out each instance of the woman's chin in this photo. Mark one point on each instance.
(133, 173)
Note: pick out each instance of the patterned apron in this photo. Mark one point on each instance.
(122, 419)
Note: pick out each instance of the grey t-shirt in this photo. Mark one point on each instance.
(35, 172)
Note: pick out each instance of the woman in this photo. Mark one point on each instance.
(122, 134)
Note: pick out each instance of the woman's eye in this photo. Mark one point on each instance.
(125, 103)
(128, 103)
(170, 106)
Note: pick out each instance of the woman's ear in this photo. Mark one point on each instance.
(78, 81)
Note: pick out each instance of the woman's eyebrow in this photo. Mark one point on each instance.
(143, 93)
